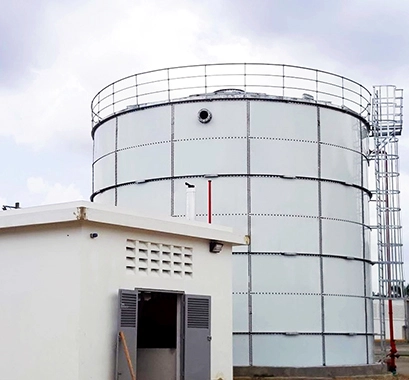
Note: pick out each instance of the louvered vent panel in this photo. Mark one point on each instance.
(198, 313)
(128, 309)
(145, 258)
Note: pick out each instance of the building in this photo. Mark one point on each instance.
(73, 276)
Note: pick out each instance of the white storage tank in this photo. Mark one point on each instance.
(285, 148)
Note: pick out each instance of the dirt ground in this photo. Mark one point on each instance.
(402, 365)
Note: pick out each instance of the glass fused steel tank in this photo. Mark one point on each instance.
(285, 148)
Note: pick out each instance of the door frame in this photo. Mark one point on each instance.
(179, 325)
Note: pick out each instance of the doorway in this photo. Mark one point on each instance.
(158, 346)
(166, 335)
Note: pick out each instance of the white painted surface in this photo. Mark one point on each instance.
(278, 196)
(108, 198)
(335, 281)
(241, 316)
(241, 350)
(345, 350)
(190, 203)
(241, 271)
(277, 267)
(279, 157)
(155, 157)
(135, 129)
(60, 287)
(342, 238)
(341, 164)
(344, 314)
(340, 129)
(106, 139)
(210, 156)
(341, 202)
(280, 349)
(284, 234)
(104, 170)
(229, 120)
(291, 313)
(283, 121)
(138, 197)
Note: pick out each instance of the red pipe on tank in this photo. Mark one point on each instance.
(209, 201)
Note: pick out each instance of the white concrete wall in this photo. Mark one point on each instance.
(40, 304)
(59, 297)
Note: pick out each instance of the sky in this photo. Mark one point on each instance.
(56, 55)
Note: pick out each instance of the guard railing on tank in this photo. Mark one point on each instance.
(285, 82)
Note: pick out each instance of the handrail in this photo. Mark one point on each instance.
(176, 83)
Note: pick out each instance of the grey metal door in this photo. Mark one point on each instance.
(127, 324)
(197, 338)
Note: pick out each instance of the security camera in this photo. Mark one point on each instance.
(93, 235)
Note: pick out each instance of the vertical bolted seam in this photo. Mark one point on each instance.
(249, 287)
(116, 161)
(172, 160)
(320, 235)
(93, 168)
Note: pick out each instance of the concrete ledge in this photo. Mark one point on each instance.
(314, 372)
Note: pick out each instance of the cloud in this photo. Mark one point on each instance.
(119, 39)
(27, 41)
(357, 32)
(89, 46)
(53, 193)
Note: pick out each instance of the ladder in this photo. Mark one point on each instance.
(386, 127)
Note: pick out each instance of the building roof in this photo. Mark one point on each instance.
(83, 211)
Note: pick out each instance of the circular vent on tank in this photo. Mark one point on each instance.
(204, 115)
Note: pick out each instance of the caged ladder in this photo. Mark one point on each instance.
(386, 127)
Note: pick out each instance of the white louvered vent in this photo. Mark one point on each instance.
(128, 309)
(198, 313)
(155, 259)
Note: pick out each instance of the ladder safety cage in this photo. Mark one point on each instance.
(386, 127)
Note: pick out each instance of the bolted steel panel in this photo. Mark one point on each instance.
(282, 274)
(280, 120)
(287, 351)
(281, 313)
(344, 314)
(152, 126)
(342, 238)
(346, 350)
(240, 350)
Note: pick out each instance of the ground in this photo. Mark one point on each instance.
(402, 364)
